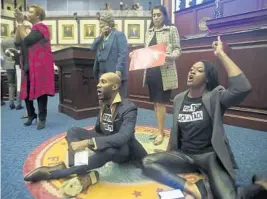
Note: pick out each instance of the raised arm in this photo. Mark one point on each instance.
(231, 68)
(17, 36)
(98, 40)
(21, 31)
(239, 86)
(32, 38)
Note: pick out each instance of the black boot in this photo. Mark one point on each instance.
(11, 105)
(41, 124)
(30, 120)
(19, 107)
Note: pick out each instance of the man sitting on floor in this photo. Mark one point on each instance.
(112, 139)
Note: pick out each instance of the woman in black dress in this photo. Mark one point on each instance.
(161, 80)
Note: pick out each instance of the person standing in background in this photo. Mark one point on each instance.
(108, 6)
(161, 80)
(121, 5)
(10, 57)
(37, 63)
(2, 94)
(138, 7)
(111, 52)
(18, 76)
(2, 86)
(149, 5)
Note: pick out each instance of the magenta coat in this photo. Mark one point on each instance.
(41, 67)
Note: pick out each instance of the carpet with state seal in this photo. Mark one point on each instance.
(116, 181)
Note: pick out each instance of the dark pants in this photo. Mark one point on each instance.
(164, 166)
(2, 89)
(12, 91)
(42, 104)
(253, 191)
(42, 107)
(124, 89)
(98, 159)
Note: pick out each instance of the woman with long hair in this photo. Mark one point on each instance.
(197, 141)
(161, 80)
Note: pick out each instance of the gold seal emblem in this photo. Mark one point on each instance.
(116, 181)
(202, 23)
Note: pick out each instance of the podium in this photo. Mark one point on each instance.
(77, 85)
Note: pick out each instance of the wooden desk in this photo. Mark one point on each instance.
(77, 86)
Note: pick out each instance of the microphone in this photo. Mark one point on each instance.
(121, 5)
(75, 15)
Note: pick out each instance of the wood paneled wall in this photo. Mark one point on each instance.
(248, 49)
(187, 21)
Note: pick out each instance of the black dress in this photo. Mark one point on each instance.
(154, 82)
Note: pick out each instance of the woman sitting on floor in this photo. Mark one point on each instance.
(198, 142)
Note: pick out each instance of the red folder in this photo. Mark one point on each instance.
(149, 57)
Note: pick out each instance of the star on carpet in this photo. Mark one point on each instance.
(137, 193)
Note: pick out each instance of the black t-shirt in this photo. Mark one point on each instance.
(106, 122)
(196, 126)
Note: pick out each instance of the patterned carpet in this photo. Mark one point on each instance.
(125, 181)
(249, 146)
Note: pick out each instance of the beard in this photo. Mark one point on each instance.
(105, 95)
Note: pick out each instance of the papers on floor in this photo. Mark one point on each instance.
(172, 194)
(81, 158)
